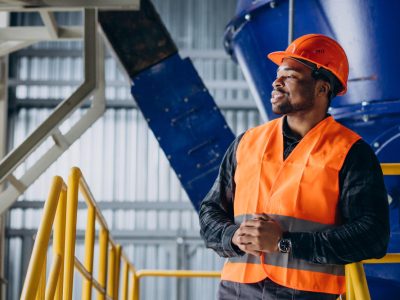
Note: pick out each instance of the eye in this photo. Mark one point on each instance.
(284, 77)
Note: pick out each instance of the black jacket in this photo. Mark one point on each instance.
(363, 210)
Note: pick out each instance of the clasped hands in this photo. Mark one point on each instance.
(257, 235)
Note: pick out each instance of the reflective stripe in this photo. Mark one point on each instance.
(298, 279)
(247, 258)
(284, 259)
(290, 224)
(287, 261)
(308, 280)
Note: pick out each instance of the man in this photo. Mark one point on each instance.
(300, 196)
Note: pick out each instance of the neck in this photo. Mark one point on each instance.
(303, 123)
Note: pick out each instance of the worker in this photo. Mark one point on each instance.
(300, 196)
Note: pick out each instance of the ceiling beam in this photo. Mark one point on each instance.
(11, 46)
(39, 33)
(26, 5)
(50, 23)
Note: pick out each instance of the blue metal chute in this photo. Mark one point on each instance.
(172, 97)
(368, 30)
(186, 121)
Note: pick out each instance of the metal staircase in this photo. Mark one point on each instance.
(93, 85)
(177, 106)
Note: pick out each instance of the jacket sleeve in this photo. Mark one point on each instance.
(363, 206)
(217, 225)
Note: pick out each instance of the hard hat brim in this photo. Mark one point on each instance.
(278, 56)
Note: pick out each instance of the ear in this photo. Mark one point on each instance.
(323, 87)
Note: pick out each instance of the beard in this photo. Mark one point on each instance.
(282, 108)
(286, 107)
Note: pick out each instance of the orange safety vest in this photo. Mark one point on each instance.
(301, 193)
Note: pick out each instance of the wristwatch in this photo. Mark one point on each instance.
(285, 245)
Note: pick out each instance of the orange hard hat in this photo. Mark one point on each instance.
(321, 50)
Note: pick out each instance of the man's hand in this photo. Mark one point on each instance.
(260, 234)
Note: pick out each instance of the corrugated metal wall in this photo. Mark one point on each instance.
(140, 195)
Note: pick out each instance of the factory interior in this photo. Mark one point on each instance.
(114, 119)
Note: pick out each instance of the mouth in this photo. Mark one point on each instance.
(276, 96)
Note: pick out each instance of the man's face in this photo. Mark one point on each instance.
(294, 88)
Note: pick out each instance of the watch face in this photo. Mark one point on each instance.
(284, 245)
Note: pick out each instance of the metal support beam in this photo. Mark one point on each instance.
(39, 33)
(11, 46)
(94, 72)
(3, 95)
(27, 5)
(3, 142)
(27, 247)
(129, 236)
(50, 22)
(117, 205)
(291, 21)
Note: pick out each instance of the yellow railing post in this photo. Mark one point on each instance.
(40, 294)
(356, 277)
(111, 273)
(53, 277)
(103, 243)
(70, 232)
(136, 287)
(132, 288)
(59, 239)
(38, 258)
(89, 250)
(125, 278)
(349, 284)
(117, 267)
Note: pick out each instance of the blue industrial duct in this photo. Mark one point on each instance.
(369, 32)
(172, 97)
(186, 122)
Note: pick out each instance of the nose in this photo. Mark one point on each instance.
(278, 82)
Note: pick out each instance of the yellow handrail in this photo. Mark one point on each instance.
(390, 169)
(110, 253)
(37, 264)
(356, 283)
(390, 258)
(61, 208)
